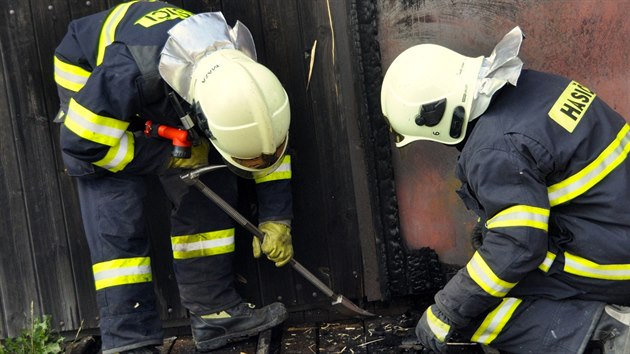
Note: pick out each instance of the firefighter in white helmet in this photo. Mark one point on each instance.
(544, 166)
(147, 88)
(250, 134)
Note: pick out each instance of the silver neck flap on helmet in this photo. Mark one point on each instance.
(194, 38)
(501, 67)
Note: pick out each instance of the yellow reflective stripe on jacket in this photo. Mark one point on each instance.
(521, 215)
(438, 327)
(481, 273)
(70, 77)
(589, 176)
(118, 156)
(546, 264)
(495, 321)
(282, 172)
(91, 126)
(583, 267)
(203, 244)
(108, 31)
(122, 271)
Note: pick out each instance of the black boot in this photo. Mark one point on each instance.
(239, 322)
(613, 330)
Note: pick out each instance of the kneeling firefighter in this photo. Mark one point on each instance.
(147, 88)
(544, 166)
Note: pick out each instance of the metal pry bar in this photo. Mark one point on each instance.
(339, 302)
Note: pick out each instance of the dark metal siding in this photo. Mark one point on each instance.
(44, 258)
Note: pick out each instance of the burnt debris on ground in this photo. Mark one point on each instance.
(390, 331)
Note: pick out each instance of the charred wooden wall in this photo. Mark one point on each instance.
(340, 215)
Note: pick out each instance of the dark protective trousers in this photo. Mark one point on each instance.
(115, 227)
(533, 325)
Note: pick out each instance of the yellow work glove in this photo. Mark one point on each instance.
(198, 157)
(277, 243)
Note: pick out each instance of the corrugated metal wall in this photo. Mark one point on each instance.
(586, 40)
(44, 258)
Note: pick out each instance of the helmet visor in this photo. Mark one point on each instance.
(259, 166)
(263, 161)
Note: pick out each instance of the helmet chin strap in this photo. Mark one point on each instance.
(501, 67)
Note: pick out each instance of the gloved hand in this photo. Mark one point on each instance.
(276, 243)
(434, 330)
(198, 157)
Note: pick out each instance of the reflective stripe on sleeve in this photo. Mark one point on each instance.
(70, 77)
(203, 244)
(520, 216)
(118, 156)
(494, 322)
(282, 172)
(122, 271)
(481, 274)
(583, 267)
(546, 264)
(438, 327)
(592, 174)
(91, 126)
(108, 31)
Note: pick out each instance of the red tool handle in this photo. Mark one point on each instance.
(178, 137)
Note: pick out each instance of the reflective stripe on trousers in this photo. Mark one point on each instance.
(114, 222)
(535, 325)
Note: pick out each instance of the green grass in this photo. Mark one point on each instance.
(38, 338)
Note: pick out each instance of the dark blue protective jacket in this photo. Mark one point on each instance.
(546, 170)
(106, 70)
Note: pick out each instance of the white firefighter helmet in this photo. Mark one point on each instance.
(428, 93)
(243, 109)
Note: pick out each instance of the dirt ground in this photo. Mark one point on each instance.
(385, 333)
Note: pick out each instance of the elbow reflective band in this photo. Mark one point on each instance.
(203, 244)
(91, 126)
(481, 273)
(70, 77)
(282, 172)
(589, 176)
(122, 271)
(546, 264)
(494, 322)
(589, 269)
(118, 156)
(108, 30)
(439, 328)
(521, 215)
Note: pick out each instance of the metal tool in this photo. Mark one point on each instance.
(339, 302)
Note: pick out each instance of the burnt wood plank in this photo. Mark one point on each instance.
(80, 8)
(51, 28)
(17, 275)
(247, 12)
(333, 94)
(199, 6)
(42, 231)
(46, 219)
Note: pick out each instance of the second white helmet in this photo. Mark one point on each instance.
(243, 109)
(428, 92)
